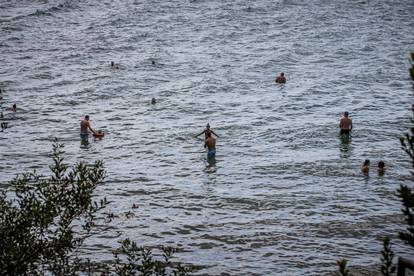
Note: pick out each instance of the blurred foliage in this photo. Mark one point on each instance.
(343, 271)
(387, 267)
(44, 221)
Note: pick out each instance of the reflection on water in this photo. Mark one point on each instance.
(211, 164)
(345, 146)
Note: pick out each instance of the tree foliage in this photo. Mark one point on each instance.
(342, 269)
(387, 267)
(44, 221)
(40, 215)
(405, 193)
(134, 260)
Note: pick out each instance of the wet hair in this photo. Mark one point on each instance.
(381, 164)
(208, 125)
(86, 116)
(112, 63)
(153, 101)
(282, 74)
(346, 113)
(366, 162)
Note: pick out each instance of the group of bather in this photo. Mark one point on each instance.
(345, 126)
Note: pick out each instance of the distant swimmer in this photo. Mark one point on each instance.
(153, 101)
(206, 131)
(84, 126)
(114, 65)
(153, 62)
(365, 167)
(210, 144)
(281, 78)
(14, 108)
(4, 125)
(381, 168)
(345, 124)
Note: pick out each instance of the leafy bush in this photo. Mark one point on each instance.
(45, 220)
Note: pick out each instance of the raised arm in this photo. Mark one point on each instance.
(200, 133)
(214, 133)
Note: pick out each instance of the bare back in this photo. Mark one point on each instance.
(345, 123)
(211, 143)
(84, 125)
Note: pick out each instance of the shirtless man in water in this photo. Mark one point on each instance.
(281, 78)
(345, 124)
(210, 143)
(85, 125)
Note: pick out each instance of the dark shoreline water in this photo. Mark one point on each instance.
(285, 196)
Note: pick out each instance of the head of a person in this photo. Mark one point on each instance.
(153, 101)
(87, 117)
(346, 114)
(366, 162)
(208, 126)
(282, 74)
(381, 164)
(112, 63)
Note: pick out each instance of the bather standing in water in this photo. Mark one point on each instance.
(84, 126)
(345, 124)
(210, 144)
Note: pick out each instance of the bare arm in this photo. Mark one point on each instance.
(340, 123)
(214, 133)
(89, 126)
(200, 133)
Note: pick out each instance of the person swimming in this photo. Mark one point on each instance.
(381, 167)
(14, 108)
(153, 101)
(365, 167)
(4, 125)
(281, 78)
(114, 65)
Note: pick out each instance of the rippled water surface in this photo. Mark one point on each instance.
(285, 196)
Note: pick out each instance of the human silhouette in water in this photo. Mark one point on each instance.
(206, 131)
(281, 78)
